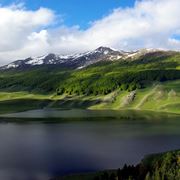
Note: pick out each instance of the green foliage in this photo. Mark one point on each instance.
(100, 78)
(10, 106)
(42, 79)
(99, 84)
(164, 166)
(157, 97)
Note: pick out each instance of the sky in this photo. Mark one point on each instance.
(75, 12)
(37, 27)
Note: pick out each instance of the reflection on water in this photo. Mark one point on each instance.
(38, 151)
(79, 113)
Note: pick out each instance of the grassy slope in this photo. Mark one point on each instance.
(158, 97)
(107, 76)
(100, 78)
(36, 88)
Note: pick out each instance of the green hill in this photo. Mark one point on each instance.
(148, 82)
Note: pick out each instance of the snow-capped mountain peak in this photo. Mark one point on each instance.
(77, 60)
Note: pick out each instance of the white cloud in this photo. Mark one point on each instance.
(150, 23)
(17, 28)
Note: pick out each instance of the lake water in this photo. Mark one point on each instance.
(81, 141)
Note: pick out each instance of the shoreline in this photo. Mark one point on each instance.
(151, 166)
(67, 115)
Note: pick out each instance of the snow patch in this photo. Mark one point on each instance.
(36, 61)
(12, 65)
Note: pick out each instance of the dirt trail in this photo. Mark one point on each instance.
(145, 98)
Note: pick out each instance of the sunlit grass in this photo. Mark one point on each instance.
(157, 97)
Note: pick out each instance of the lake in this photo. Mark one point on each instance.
(80, 141)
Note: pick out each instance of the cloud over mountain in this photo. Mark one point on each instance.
(149, 24)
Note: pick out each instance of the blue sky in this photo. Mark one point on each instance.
(76, 12)
(37, 27)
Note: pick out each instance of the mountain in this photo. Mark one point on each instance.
(77, 61)
(147, 79)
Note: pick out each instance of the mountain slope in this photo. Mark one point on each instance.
(71, 61)
(130, 81)
(101, 77)
(78, 61)
(158, 97)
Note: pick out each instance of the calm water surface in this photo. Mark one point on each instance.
(36, 151)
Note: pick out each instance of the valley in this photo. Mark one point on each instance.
(145, 80)
(90, 90)
(109, 107)
(163, 97)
